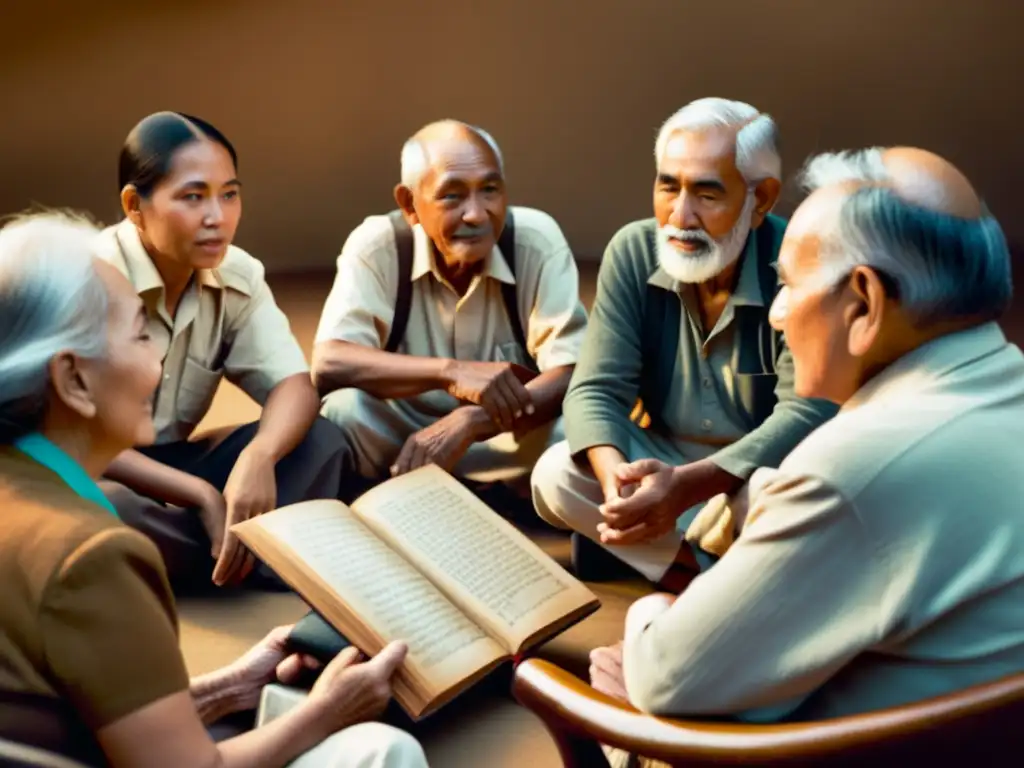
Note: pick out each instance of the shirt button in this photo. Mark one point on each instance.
(707, 383)
(706, 425)
(167, 377)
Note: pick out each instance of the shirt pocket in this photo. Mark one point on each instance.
(196, 389)
(756, 395)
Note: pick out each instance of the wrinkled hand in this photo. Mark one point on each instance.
(266, 662)
(646, 506)
(498, 388)
(444, 443)
(353, 691)
(606, 671)
(250, 491)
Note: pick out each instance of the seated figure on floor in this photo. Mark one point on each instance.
(883, 562)
(454, 323)
(211, 314)
(680, 320)
(90, 666)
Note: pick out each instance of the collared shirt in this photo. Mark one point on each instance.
(881, 563)
(702, 399)
(361, 306)
(226, 325)
(51, 456)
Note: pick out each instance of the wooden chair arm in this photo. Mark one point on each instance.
(982, 716)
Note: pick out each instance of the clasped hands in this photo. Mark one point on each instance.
(644, 499)
(496, 398)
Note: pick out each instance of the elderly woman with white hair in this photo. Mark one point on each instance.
(882, 562)
(89, 659)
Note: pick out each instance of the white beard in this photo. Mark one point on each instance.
(713, 258)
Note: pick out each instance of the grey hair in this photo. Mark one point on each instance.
(415, 161)
(943, 267)
(757, 137)
(52, 300)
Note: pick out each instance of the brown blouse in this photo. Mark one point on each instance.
(88, 632)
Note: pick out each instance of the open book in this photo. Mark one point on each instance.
(420, 558)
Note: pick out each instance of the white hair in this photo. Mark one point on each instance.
(51, 300)
(757, 153)
(415, 162)
(943, 267)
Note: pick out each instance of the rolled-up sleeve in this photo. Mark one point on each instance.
(360, 307)
(262, 350)
(557, 320)
(803, 579)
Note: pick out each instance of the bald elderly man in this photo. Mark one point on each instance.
(680, 320)
(883, 561)
(454, 322)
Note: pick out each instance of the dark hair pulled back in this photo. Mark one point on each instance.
(149, 150)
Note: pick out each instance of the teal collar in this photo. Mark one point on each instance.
(45, 452)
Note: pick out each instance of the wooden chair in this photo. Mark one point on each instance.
(980, 726)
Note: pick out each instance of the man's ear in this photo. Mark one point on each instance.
(71, 385)
(766, 195)
(131, 204)
(865, 311)
(403, 196)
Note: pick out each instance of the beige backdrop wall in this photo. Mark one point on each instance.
(318, 95)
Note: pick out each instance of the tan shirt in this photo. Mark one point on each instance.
(361, 305)
(227, 325)
(881, 563)
(86, 613)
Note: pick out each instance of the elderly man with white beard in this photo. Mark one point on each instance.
(680, 321)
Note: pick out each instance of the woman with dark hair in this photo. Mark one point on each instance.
(89, 661)
(211, 315)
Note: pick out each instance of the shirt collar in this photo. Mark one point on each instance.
(45, 452)
(142, 272)
(748, 286)
(916, 369)
(424, 260)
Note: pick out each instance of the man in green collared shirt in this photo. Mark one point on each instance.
(680, 321)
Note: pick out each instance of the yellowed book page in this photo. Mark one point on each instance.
(369, 583)
(500, 578)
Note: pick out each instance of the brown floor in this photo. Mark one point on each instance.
(485, 726)
(487, 722)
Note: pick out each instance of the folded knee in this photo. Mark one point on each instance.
(550, 482)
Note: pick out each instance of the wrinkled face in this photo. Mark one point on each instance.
(811, 309)
(702, 204)
(120, 386)
(192, 215)
(461, 201)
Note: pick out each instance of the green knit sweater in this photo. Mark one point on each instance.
(631, 349)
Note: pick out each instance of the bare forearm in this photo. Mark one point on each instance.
(287, 416)
(279, 742)
(385, 375)
(705, 478)
(216, 694)
(155, 480)
(603, 461)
